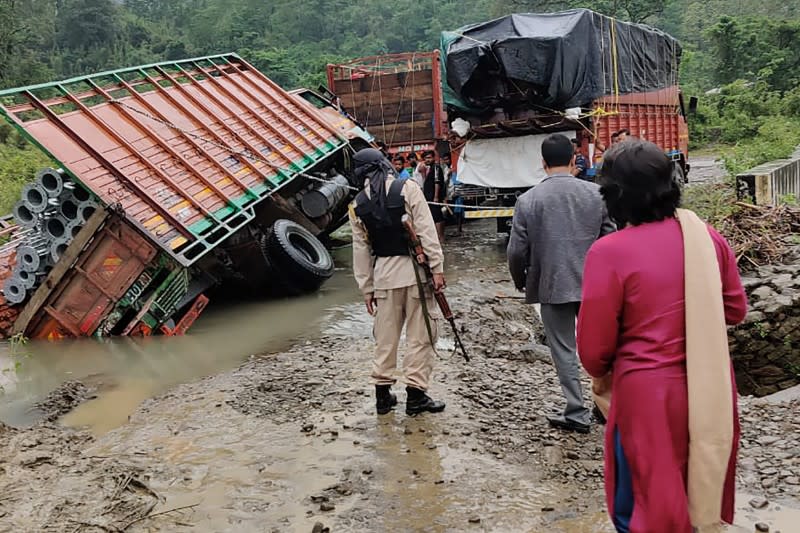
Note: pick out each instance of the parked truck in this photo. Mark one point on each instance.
(509, 82)
(169, 181)
(396, 97)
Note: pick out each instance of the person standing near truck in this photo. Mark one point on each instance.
(435, 188)
(554, 225)
(400, 167)
(385, 273)
(580, 162)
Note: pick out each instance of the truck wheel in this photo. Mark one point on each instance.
(298, 256)
(678, 175)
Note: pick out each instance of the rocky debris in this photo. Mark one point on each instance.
(766, 348)
(499, 325)
(758, 503)
(75, 492)
(63, 400)
(319, 527)
(769, 454)
(758, 233)
(288, 390)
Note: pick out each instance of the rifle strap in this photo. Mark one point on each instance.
(424, 303)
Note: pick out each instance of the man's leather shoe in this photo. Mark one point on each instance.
(419, 402)
(569, 425)
(384, 399)
(598, 415)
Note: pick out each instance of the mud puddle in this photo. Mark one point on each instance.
(324, 457)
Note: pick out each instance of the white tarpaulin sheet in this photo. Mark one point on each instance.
(508, 163)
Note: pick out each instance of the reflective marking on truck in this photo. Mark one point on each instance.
(490, 213)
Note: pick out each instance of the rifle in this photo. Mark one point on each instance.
(422, 260)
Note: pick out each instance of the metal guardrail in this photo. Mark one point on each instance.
(771, 183)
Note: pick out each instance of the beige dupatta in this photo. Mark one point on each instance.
(708, 376)
(708, 373)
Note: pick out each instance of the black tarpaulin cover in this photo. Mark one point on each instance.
(554, 60)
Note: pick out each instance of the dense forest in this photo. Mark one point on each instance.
(744, 52)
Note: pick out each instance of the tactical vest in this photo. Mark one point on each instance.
(386, 233)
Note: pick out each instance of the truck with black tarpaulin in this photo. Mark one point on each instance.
(509, 82)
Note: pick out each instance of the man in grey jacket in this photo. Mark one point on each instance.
(554, 225)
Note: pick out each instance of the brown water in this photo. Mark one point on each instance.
(126, 371)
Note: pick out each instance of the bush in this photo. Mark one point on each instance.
(18, 166)
(776, 138)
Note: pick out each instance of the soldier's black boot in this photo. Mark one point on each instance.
(384, 399)
(419, 402)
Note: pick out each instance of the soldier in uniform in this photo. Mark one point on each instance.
(385, 273)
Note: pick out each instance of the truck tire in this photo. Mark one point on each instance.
(678, 174)
(298, 256)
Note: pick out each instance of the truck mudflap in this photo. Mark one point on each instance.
(200, 303)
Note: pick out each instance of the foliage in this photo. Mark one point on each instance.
(18, 166)
(775, 139)
(746, 49)
(713, 202)
(631, 10)
(757, 48)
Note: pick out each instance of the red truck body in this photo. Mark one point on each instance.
(657, 117)
(396, 97)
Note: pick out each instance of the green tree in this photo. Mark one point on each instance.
(88, 23)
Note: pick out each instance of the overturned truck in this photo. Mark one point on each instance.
(169, 181)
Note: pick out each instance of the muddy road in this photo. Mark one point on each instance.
(278, 431)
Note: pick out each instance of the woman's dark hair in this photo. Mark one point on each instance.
(636, 183)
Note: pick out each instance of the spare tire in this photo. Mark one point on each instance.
(298, 256)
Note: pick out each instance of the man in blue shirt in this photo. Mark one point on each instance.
(580, 162)
(400, 167)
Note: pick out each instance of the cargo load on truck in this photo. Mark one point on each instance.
(168, 181)
(510, 82)
(554, 61)
(396, 97)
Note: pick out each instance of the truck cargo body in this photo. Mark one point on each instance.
(498, 171)
(194, 163)
(512, 81)
(516, 78)
(396, 97)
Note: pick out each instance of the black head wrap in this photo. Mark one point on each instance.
(370, 164)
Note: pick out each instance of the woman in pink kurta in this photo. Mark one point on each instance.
(632, 323)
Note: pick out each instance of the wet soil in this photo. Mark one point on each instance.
(290, 441)
(63, 400)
